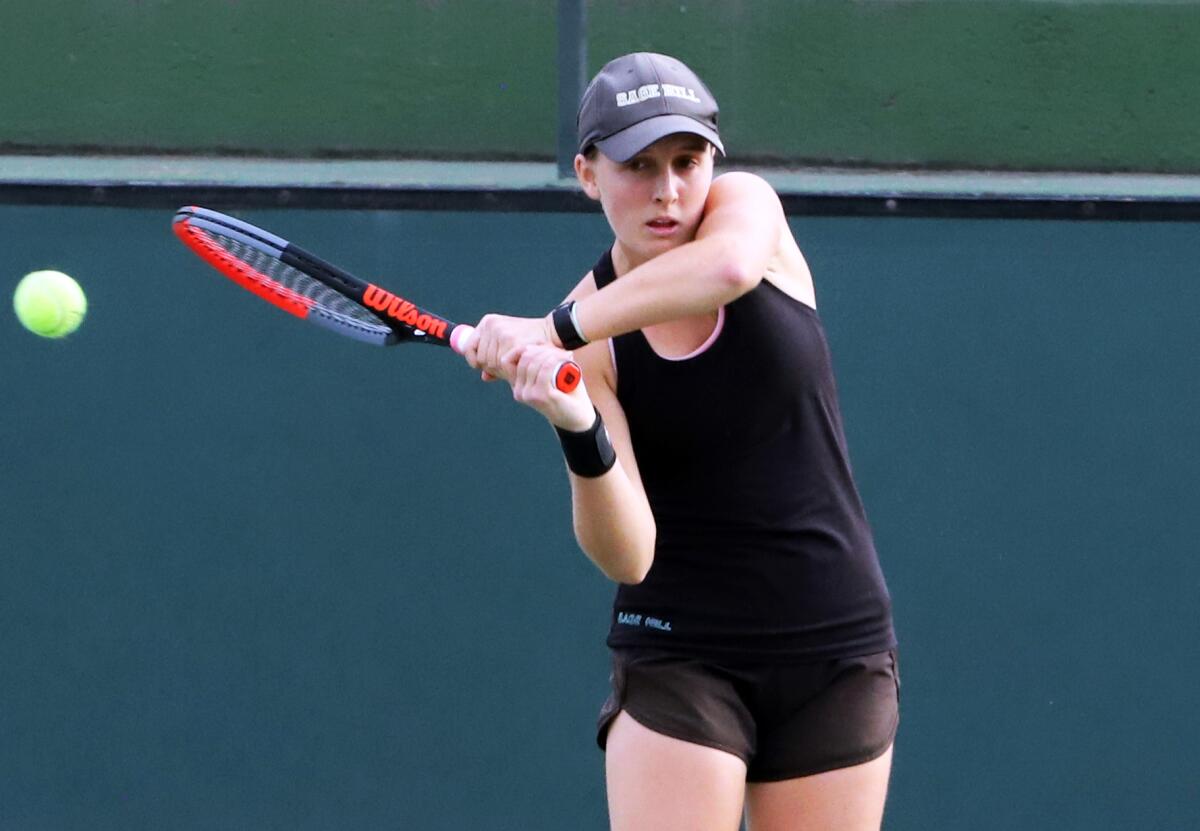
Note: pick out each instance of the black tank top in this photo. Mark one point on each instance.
(763, 549)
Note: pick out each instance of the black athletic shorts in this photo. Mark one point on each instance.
(783, 720)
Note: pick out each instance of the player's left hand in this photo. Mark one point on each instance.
(497, 335)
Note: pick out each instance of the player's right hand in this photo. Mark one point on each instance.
(531, 370)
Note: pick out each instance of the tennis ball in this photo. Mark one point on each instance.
(49, 303)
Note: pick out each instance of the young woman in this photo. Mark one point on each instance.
(753, 651)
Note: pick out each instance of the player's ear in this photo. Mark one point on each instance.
(585, 172)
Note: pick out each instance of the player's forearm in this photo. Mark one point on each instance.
(693, 279)
(614, 525)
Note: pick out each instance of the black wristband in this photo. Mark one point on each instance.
(589, 453)
(565, 326)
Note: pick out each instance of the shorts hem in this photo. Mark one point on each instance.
(828, 767)
(678, 735)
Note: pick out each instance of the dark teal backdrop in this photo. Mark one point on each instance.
(254, 576)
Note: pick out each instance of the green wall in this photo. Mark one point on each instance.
(255, 576)
(1025, 84)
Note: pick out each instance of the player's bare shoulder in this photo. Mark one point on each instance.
(748, 189)
(787, 269)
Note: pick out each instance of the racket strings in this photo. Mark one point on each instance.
(280, 277)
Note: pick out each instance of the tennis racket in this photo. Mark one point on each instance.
(289, 277)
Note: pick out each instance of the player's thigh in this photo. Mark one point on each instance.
(658, 783)
(846, 799)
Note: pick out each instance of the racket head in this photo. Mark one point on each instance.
(306, 286)
(301, 284)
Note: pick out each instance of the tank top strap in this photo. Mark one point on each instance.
(603, 271)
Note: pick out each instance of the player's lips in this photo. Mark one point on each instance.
(662, 225)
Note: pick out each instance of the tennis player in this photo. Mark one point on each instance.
(754, 663)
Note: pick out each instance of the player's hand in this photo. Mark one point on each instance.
(497, 335)
(531, 370)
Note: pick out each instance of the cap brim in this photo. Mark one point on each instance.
(623, 146)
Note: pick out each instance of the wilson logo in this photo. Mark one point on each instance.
(397, 308)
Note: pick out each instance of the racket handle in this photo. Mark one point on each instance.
(566, 377)
(459, 336)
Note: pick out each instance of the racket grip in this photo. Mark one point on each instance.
(566, 376)
(459, 336)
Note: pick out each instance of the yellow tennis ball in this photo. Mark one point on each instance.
(49, 303)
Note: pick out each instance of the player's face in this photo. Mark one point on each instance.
(655, 200)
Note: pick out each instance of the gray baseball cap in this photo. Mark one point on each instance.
(639, 98)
